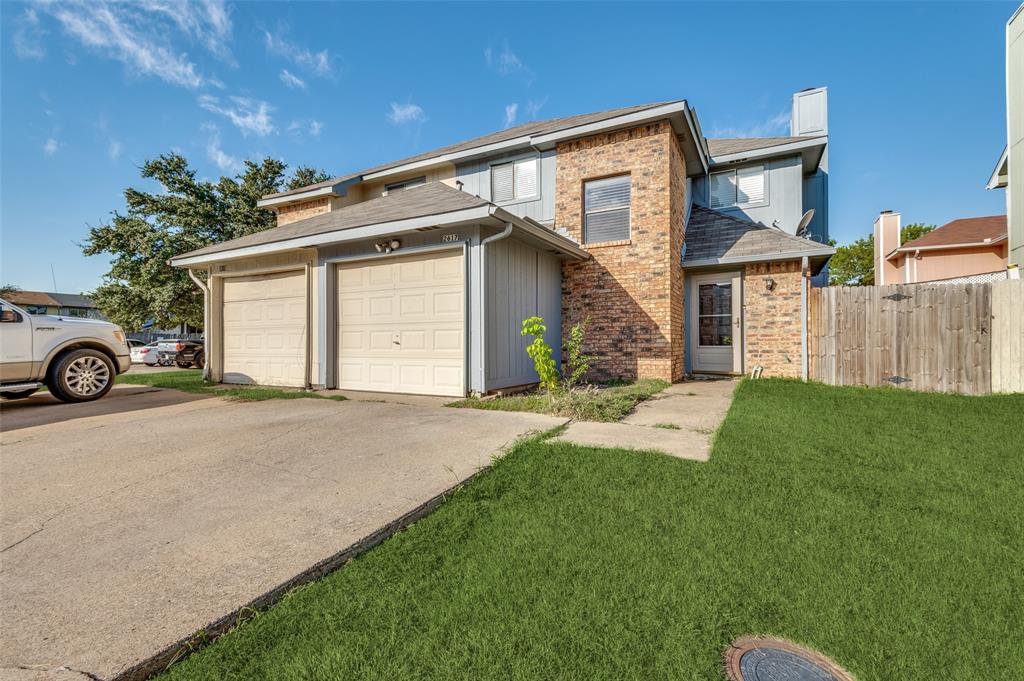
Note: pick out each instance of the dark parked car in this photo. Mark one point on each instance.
(184, 353)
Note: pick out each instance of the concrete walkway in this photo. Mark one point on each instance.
(679, 421)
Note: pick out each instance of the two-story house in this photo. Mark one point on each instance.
(414, 276)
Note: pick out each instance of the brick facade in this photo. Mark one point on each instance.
(631, 291)
(771, 319)
(300, 211)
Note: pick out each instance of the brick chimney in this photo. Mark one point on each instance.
(887, 239)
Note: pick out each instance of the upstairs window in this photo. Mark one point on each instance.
(606, 209)
(405, 184)
(737, 187)
(514, 180)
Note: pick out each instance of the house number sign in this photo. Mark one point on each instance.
(449, 238)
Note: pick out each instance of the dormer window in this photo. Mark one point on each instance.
(737, 187)
(405, 184)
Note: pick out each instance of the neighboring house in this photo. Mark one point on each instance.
(1009, 171)
(968, 249)
(59, 304)
(415, 276)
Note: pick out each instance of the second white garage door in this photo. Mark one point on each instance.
(264, 329)
(401, 325)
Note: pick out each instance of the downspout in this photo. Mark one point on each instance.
(504, 234)
(307, 376)
(804, 280)
(206, 320)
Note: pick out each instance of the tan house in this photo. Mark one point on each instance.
(414, 276)
(968, 249)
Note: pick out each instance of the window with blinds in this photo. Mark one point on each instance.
(737, 187)
(514, 180)
(606, 209)
(405, 184)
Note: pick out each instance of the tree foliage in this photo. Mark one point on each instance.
(854, 264)
(186, 214)
(540, 352)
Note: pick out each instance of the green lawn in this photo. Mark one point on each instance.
(603, 403)
(882, 527)
(191, 381)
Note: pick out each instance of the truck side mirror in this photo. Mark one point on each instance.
(7, 315)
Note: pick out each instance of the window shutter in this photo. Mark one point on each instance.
(526, 178)
(723, 190)
(750, 184)
(502, 183)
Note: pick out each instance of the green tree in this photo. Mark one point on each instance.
(187, 214)
(8, 289)
(854, 264)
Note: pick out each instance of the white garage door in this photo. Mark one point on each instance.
(264, 329)
(400, 325)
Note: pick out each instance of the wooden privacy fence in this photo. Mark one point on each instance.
(966, 338)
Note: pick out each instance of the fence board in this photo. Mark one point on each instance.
(966, 338)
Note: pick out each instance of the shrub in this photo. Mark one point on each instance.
(577, 364)
(540, 352)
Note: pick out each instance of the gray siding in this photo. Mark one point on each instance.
(521, 282)
(476, 179)
(785, 195)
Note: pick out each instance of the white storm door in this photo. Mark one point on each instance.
(401, 324)
(716, 336)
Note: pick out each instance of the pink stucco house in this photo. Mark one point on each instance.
(964, 248)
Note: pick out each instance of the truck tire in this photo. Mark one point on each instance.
(200, 361)
(19, 394)
(183, 365)
(81, 376)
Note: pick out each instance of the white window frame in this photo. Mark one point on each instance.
(511, 161)
(629, 209)
(733, 171)
(401, 185)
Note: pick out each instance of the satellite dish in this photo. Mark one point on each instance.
(805, 221)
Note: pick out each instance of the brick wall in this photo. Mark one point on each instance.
(772, 319)
(300, 211)
(630, 290)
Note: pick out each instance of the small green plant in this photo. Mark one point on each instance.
(667, 426)
(577, 364)
(540, 352)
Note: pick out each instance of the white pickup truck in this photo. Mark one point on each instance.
(77, 359)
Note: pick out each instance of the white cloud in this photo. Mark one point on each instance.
(312, 127)
(533, 108)
(317, 63)
(510, 114)
(248, 115)
(207, 21)
(406, 113)
(291, 80)
(50, 147)
(776, 125)
(315, 127)
(114, 150)
(507, 63)
(128, 33)
(28, 36)
(215, 153)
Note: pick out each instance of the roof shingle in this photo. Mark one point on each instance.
(715, 236)
(962, 231)
(734, 145)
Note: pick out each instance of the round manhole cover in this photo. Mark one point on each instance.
(773, 659)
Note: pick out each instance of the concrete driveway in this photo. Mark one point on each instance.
(124, 532)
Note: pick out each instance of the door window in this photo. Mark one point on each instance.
(714, 314)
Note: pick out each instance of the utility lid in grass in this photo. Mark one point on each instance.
(773, 659)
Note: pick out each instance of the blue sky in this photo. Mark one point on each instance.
(91, 90)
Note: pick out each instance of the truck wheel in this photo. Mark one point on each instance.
(81, 376)
(200, 361)
(19, 394)
(183, 365)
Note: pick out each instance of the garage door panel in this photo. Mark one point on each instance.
(417, 301)
(265, 329)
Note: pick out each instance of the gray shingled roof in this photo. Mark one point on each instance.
(433, 198)
(715, 236)
(736, 145)
(533, 128)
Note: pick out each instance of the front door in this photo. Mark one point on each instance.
(716, 336)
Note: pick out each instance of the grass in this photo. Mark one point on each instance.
(667, 426)
(610, 402)
(191, 381)
(882, 527)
